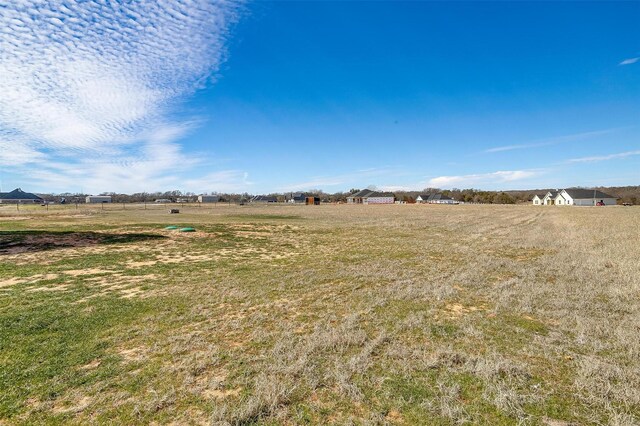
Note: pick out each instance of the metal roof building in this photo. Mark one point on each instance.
(19, 196)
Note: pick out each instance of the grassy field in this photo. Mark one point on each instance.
(404, 314)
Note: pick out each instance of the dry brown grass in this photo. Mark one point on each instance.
(351, 314)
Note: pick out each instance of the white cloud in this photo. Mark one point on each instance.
(552, 141)
(99, 80)
(604, 157)
(498, 177)
(629, 61)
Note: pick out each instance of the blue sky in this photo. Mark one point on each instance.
(283, 96)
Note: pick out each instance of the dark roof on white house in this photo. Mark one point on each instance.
(380, 194)
(436, 197)
(366, 193)
(361, 193)
(265, 198)
(586, 193)
(19, 194)
(554, 194)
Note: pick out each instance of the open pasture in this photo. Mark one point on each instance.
(401, 314)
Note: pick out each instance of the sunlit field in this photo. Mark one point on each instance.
(401, 314)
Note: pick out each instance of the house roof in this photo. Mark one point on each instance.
(264, 198)
(436, 197)
(380, 194)
(586, 193)
(361, 193)
(19, 194)
(552, 194)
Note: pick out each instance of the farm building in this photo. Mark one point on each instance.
(264, 199)
(97, 199)
(584, 197)
(208, 198)
(367, 196)
(18, 196)
(162, 201)
(312, 201)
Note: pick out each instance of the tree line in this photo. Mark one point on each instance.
(625, 194)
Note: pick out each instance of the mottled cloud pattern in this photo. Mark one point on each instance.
(102, 79)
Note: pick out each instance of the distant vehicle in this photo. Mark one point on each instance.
(627, 204)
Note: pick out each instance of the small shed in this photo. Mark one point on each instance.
(312, 201)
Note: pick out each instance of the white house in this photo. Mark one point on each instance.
(367, 196)
(575, 197)
(358, 197)
(550, 198)
(435, 199)
(379, 198)
(584, 197)
(440, 199)
(537, 199)
(93, 199)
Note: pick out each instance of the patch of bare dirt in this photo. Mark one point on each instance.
(60, 287)
(141, 264)
(77, 406)
(91, 365)
(394, 417)
(27, 280)
(88, 271)
(13, 281)
(133, 354)
(456, 310)
(221, 393)
(124, 286)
